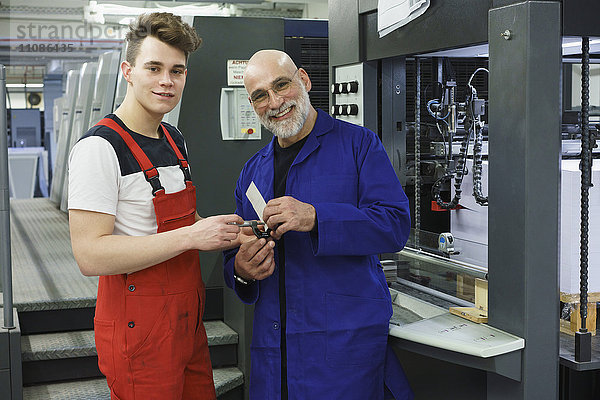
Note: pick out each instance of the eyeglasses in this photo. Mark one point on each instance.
(281, 87)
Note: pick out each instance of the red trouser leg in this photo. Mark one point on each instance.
(167, 356)
(198, 379)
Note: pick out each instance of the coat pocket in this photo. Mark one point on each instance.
(104, 332)
(201, 294)
(357, 330)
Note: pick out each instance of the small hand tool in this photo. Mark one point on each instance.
(254, 225)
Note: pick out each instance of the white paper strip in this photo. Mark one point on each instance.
(256, 199)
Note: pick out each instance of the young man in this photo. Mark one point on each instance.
(333, 199)
(133, 222)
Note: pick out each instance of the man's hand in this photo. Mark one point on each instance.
(255, 259)
(285, 214)
(215, 233)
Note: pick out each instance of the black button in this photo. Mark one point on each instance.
(275, 325)
(131, 324)
(352, 86)
(344, 87)
(131, 288)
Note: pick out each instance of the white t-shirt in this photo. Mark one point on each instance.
(105, 177)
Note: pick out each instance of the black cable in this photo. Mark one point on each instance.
(586, 179)
(461, 171)
(478, 167)
(583, 345)
(417, 151)
(478, 142)
(477, 152)
(424, 91)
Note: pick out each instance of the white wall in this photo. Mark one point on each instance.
(316, 9)
(594, 85)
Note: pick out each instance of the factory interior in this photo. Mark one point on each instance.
(489, 111)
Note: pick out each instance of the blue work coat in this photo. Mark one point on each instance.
(338, 304)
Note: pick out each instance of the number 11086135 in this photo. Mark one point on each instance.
(45, 47)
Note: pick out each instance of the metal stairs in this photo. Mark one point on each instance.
(55, 357)
(55, 305)
(226, 379)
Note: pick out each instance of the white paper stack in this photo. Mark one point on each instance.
(392, 14)
(570, 217)
(439, 328)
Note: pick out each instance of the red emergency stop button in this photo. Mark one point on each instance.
(250, 131)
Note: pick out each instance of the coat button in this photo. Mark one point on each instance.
(275, 325)
(131, 288)
(131, 324)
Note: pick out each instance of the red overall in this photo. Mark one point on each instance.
(148, 326)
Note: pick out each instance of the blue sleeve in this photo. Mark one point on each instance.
(379, 223)
(247, 293)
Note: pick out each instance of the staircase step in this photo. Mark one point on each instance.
(219, 333)
(48, 357)
(226, 380)
(53, 346)
(45, 274)
(76, 390)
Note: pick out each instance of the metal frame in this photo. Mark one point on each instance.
(6, 282)
(11, 377)
(393, 112)
(10, 333)
(524, 176)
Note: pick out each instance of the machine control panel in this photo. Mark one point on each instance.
(344, 109)
(348, 93)
(238, 119)
(344, 87)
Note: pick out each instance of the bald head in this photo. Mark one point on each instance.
(273, 62)
(278, 91)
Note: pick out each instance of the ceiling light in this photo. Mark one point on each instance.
(22, 85)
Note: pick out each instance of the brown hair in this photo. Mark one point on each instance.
(166, 27)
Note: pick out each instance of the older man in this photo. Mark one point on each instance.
(334, 202)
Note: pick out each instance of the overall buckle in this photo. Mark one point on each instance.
(152, 178)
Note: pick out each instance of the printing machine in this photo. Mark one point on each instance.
(81, 118)
(90, 95)
(418, 87)
(62, 139)
(104, 85)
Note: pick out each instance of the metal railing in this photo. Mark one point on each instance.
(5, 256)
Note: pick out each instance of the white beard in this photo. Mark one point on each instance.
(290, 126)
